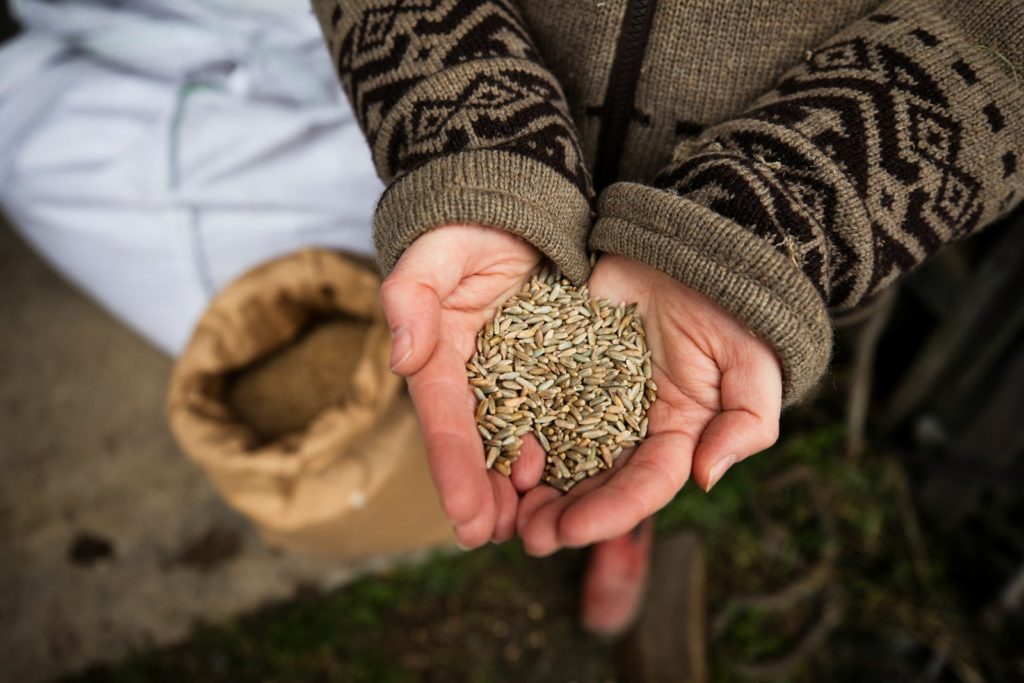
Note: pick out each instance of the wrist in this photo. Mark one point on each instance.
(728, 264)
(493, 188)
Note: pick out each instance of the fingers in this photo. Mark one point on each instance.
(507, 505)
(529, 467)
(537, 521)
(645, 484)
(749, 422)
(612, 503)
(454, 449)
(526, 473)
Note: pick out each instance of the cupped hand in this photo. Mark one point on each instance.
(445, 287)
(719, 399)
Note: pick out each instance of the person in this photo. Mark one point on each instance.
(744, 172)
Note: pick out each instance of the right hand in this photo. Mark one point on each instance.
(444, 289)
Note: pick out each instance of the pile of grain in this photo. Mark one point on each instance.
(573, 370)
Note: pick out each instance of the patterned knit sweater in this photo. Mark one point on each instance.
(790, 160)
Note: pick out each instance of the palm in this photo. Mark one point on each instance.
(473, 301)
(719, 392)
(443, 290)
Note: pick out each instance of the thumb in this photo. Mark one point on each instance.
(429, 270)
(749, 421)
(413, 312)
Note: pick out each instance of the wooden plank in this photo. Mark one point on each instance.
(669, 643)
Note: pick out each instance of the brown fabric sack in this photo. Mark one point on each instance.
(284, 397)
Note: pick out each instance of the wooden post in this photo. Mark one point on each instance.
(670, 643)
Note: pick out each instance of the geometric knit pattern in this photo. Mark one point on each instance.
(864, 160)
(431, 78)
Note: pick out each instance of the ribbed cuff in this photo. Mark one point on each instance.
(491, 188)
(726, 263)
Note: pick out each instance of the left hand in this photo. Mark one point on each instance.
(719, 400)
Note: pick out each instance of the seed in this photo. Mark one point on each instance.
(492, 455)
(573, 370)
(626, 402)
(526, 384)
(563, 471)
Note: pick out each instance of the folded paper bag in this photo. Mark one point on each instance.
(284, 397)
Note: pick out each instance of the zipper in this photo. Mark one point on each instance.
(619, 98)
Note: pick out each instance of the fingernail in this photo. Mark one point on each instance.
(719, 469)
(455, 532)
(401, 346)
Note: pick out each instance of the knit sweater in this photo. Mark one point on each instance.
(789, 160)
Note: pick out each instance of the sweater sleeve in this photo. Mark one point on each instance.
(464, 123)
(899, 135)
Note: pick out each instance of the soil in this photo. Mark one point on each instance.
(492, 615)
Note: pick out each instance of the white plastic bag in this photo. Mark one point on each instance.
(153, 151)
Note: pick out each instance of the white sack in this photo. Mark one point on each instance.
(154, 150)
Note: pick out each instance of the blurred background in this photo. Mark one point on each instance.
(880, 539)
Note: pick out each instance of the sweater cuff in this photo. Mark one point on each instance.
(492, 188)
(720, 259)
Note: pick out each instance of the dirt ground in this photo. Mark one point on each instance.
(489, 616)
(110, 540)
